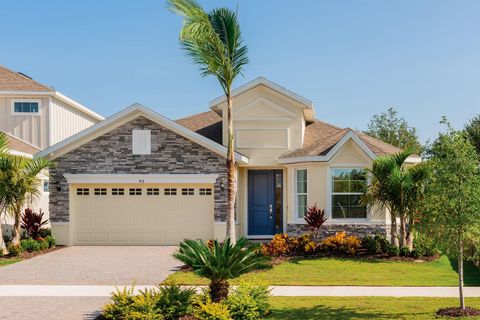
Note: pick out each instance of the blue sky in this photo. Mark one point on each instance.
(352, 58)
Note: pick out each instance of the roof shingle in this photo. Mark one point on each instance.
(13, 81)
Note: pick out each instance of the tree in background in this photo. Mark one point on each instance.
(451, 207)
(213, 40)
(389, 127)
(473, 131)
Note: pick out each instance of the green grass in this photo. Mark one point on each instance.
(288, 308)
(331, 271)
(6, 262)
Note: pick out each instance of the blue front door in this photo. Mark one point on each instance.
(263, 205)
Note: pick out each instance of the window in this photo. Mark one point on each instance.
(141, 142)
(170, 191)
(205, 191)
(135, 191)
(26, 106)
(153, 191)
(188, 192)
(46, 186)
(118, 191)
(100, 191)
(348, 186)
(301, 191)
(83, 191)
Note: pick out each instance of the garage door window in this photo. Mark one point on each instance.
(100, 191)
(135, 192)
(170, 191)
(153, 191)
(83, 191)
(205, 191)
(118, 192)
(188, 192)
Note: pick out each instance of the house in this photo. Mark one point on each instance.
(34, 117)
(138, 178)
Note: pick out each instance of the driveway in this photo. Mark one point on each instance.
(99, 265)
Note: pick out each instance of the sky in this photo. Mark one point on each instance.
(353, 59)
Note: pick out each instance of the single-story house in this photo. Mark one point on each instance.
(138, 178)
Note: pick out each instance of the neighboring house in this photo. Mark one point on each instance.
(140, 178)
(34, 117)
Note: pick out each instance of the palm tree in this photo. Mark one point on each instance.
(213, 40)
(219, 262)
(397, 187)
(19, 181)
(4, 198)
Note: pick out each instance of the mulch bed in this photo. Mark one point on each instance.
(456, 312)
(28, 255)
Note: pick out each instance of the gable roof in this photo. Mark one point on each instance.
(308, 104)
(12, 81)
(207, 124)
(134, 111)
(17, 146)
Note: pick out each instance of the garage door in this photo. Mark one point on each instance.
(140, 214)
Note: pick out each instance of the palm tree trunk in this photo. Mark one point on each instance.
(3, 247)
(460, 273)
(219, 290)
(403, 231)
(231, 174)
(16, 226)
(411, 224)
(393, 228)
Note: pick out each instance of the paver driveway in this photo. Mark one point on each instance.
(109, 265)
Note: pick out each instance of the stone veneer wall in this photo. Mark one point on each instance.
(111, 153)
(360, 230)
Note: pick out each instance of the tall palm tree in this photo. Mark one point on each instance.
(397, 187)
(213, 40)
(219, 262)
(19, 182)
(4, 197)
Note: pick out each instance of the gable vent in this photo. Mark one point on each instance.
(141, 142)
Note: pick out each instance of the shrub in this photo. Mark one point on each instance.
(315, 218)
(393, 251)
(45, 232)
(175, 301)
(14, 250)
(283, 245)
(30, 245)
(33, 222)
(249, 302)
(383, 241)
(371, 244)
(404, 252)
(51, 241)
(144, 307)
(43, 243)
(278, 246)
(212, 311)
(121, 304)
(424, 245)
(340, 243)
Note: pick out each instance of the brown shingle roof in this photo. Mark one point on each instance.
(19, 145)
(319, 138)
(13, 81)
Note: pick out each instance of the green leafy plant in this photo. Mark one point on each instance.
(175, 301)
(14, 250)
(371, 244)
(30, 245)
(221, 262)
(393, 251)
(120, 305)
(212, 311)
(424, 246)
(51, 240)
(45, 232)
(404, 252)
(383, 241)
(144, 307)
(249, 302)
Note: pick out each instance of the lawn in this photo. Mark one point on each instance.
(287, 308)
(6, 262)
(334, 271)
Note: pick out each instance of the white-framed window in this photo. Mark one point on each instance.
(348, 187)
(46, 186)
(26, 106)
(301, 192)
(141, 142)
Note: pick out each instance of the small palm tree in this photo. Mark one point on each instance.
(220, 262)
(213, 40)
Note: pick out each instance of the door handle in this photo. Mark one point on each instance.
(271, 211)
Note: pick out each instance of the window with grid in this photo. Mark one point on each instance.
(25, 106)
(170, 191)
(135, 191)
(301, 185)
(100, 191)
(83, 191)
(118, 191)
(348, 187)
(153, 191)
(188, 192)
(205, 191)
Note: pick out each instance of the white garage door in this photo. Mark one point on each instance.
(140, 214)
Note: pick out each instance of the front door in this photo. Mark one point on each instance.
(264, 202)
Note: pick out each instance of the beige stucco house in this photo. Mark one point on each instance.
(138, 178)
(35, 116)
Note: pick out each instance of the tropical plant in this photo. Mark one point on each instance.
(174, 301)
(4, 196)
(249, 302)
(30, 245)
(397, 187)
(33, 222)
(341, 243)
(19, 181)
(213, 41)
(212, 311)
(452, 204)
(221, 262)
(315, 218)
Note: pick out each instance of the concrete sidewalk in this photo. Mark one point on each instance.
(287, 291)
